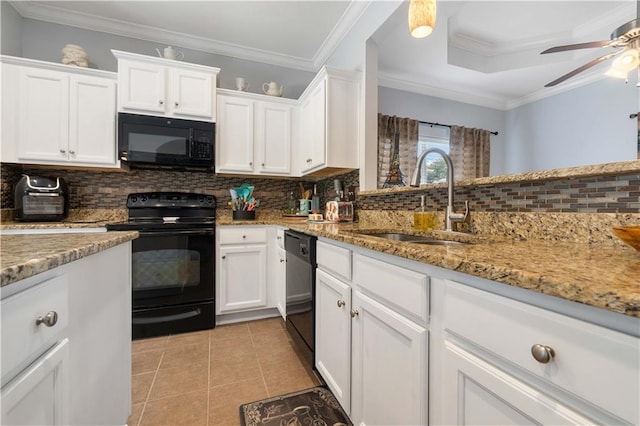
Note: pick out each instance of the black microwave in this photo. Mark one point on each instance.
(163, 142)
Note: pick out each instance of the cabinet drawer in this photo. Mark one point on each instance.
(22, 339)
(406, 291)
(243, 235)
(335, 260)
(596, 364)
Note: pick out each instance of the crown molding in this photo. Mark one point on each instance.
(546, 92)
(351, 15)
(46, 12)
(399, 83)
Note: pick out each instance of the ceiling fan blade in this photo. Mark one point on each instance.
(589, 45)
(582, 68)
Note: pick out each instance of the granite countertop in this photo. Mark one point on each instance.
(593, 274)
(605, 277)
(25, 255)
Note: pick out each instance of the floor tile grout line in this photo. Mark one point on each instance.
(146, 400)
(209, 381)
(255, 352)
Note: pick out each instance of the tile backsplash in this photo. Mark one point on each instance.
(95, 189)
(91, 189)
(594, 194)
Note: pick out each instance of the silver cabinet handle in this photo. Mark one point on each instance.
(224, 257)
(262, 164)
(354, 313)
(244, 237)
(541, 353)
(278, 237)
(251, 163)
(72, 152)
(177, 104)
(62, 151)
(49, 319)
(341, 303)
(161, 102)
(281, 260)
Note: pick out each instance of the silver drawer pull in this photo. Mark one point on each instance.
(354, 313)
(543, 354)
(341, 303)
(50, 319)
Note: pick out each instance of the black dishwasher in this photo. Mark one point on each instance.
(301, 287)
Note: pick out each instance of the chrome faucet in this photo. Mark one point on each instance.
(450, 215)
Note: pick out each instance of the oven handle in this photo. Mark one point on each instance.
(167, 318)
(176, 233)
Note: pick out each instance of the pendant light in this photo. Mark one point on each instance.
(422, 17)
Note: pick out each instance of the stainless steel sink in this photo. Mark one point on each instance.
(416, 239)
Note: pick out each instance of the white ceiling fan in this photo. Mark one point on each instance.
(626, 38)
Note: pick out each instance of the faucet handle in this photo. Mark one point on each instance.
(461, 217)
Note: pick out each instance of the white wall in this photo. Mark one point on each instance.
(430, 108)
(11, 34)
(587, 125)
(44, 41)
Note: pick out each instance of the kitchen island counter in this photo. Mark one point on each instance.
(25, 255)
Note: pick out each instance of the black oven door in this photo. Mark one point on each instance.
(172, 268)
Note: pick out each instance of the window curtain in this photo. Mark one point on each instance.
(469, 151)
(397, 147)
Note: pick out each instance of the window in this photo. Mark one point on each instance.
(434, 169)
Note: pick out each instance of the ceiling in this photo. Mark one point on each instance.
(485, 53)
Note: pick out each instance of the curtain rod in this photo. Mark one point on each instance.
(445, 125)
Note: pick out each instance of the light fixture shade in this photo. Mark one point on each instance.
(626, 62)
(422, 17)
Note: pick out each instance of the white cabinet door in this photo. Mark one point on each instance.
(478, 393)
(43, 123)
(389, 366)
(333, 336)
(243, 277)
(141, 87)
(92, 120)
(280, 282)
(40, 394)
(313, 136)
(273, 138)
(235, 135)
(192, 93)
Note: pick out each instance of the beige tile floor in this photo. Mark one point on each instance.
(201, 378)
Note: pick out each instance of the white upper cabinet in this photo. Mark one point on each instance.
(254, 134)
(330, 122)
(57, 114)
(157, 86)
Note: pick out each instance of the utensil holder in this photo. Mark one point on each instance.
(244, 215)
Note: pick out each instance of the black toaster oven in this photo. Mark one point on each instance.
(41, 199)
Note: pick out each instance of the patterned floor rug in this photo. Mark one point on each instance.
(315, 406)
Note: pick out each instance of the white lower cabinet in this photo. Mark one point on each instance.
(242, 268)
(66, 343)
(333, 336)
(404, 343)
(508, 361)
(373, 358)
(390, 366)
(40, 395)
(277, 270)
(479, 393)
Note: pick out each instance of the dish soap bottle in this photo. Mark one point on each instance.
(418, 215)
